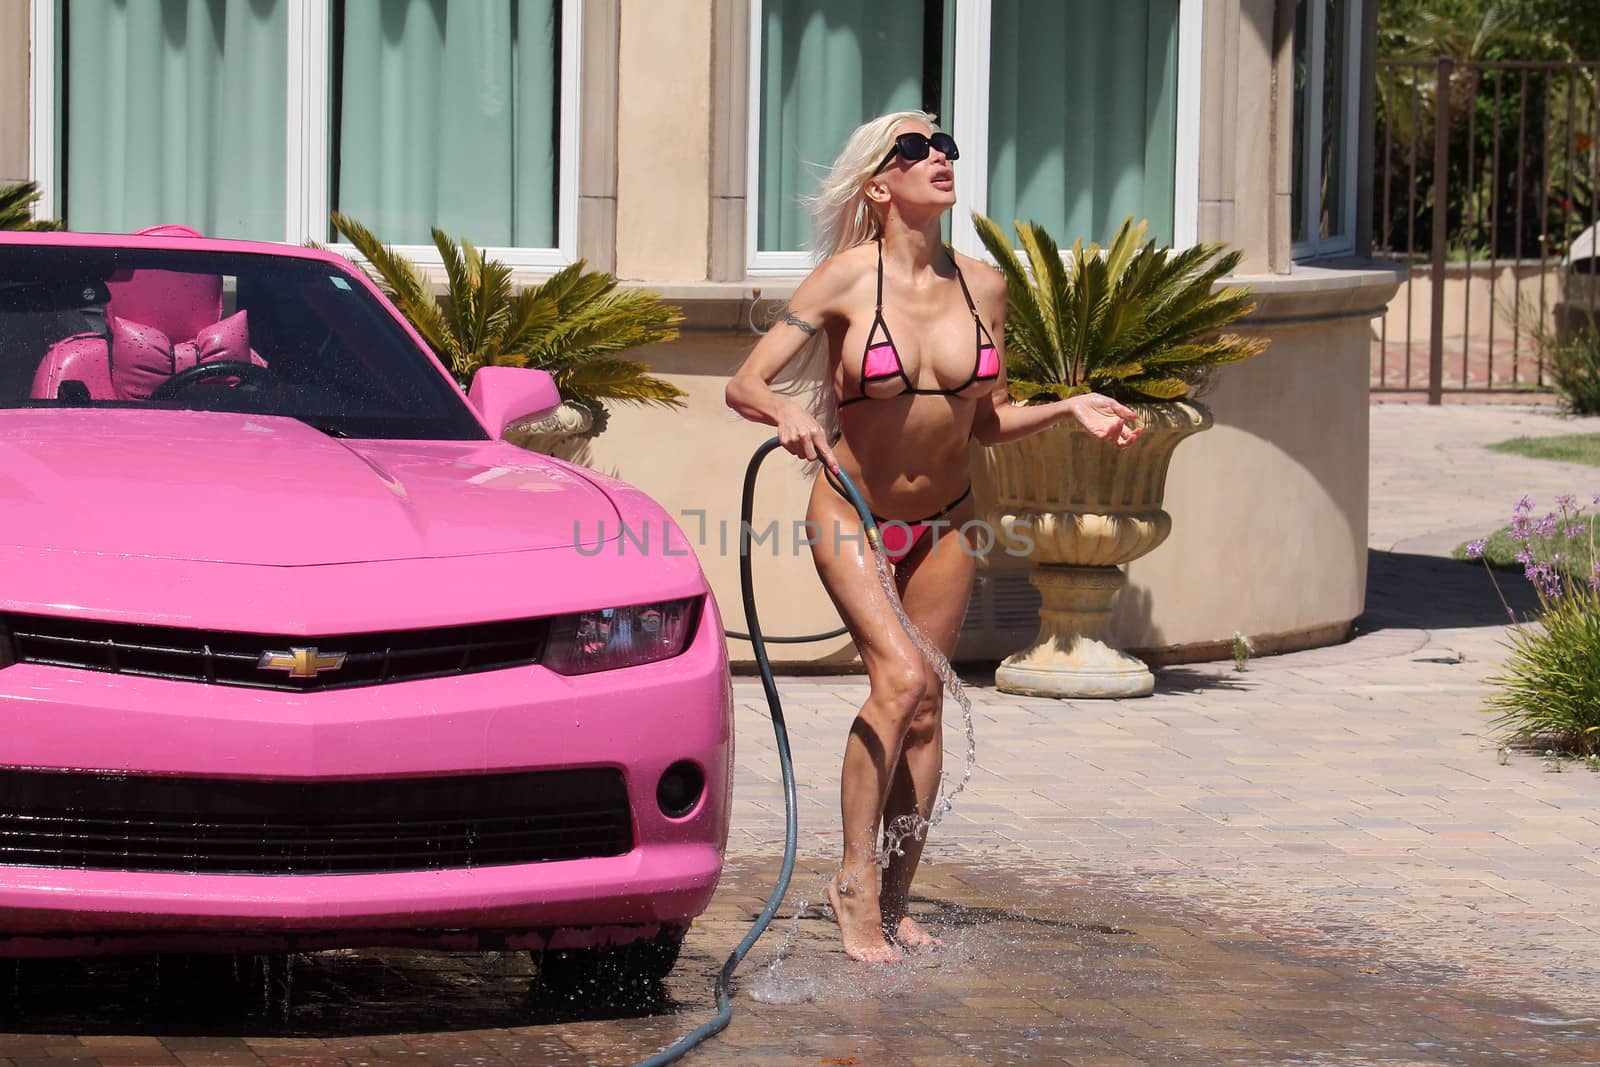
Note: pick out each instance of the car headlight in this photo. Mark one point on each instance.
(620, 637)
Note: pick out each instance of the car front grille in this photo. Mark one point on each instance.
(122, 822)
(297, 664)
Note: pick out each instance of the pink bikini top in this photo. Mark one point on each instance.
(880, 361)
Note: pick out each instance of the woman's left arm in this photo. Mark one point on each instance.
(998, 420)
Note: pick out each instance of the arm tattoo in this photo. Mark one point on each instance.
(800, 324)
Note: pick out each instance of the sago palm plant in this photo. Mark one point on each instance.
(572, 325)
(16, 208)
(1135, 321)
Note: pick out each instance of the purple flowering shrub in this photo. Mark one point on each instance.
(1550, 690)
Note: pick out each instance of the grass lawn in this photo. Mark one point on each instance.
(1570, 448)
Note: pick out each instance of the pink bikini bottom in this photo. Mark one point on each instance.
(899, 536)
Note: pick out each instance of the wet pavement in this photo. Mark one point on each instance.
(1321, 860)
(1038, 967)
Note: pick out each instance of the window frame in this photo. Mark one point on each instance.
(1314, 245)
(969, 121)
(308, 105)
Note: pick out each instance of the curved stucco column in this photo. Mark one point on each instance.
(1269, 508)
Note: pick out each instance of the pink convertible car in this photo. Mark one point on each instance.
(296, 653)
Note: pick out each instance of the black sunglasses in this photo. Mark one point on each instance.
(914, 146)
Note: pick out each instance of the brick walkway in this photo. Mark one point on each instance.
(1320, 860)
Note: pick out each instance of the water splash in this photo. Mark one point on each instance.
(910, 827)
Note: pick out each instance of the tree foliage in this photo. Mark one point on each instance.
(1522, 157)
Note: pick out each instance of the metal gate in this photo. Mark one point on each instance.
(1486, 187)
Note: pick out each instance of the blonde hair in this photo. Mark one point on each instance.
(841, 218)
(841, 215)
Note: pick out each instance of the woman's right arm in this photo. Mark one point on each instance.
(815, 307)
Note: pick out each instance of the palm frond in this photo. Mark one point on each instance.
(1027, 392)
(610, 324)
(571, 325)
(404, 284)
(16, 208)
(1133, 319)
(1161, 388)
(528, 320)
(1087, 300)
(1027, 336)
(617, 379)
(1051, 291)
(459, 285)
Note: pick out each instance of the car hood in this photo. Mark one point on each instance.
(230, 488)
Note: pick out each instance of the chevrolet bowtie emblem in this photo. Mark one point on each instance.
(301, 662)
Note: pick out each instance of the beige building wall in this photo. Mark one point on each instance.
(1506, 301)
(13, 90)
(664, 140)
(1269, 507)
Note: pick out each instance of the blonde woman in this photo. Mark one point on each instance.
(915, 366)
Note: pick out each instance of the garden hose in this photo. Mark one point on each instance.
(791, 829)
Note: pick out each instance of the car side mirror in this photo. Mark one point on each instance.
(504, 395)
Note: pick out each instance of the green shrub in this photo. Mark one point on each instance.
(1549, 692)
(1574, 365)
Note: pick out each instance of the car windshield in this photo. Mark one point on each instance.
(215, 331)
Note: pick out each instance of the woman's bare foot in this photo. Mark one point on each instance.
(858, 918)
(914, 937)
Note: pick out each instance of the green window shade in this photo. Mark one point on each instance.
(826, 67)
(446, 115)
(1083, 115)
(175, 114)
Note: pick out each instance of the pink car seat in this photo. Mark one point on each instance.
(159, 322)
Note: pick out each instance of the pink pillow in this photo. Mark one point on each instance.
(142, 357)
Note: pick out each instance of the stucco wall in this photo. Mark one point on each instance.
(13, 90)
(1269, 507)
(663, 140)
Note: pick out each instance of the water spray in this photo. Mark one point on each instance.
(896, 834)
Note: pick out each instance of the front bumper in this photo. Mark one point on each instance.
(639, 720)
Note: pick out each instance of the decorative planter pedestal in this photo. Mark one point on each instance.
(1088, 507)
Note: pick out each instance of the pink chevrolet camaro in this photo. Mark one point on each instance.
(296, 653)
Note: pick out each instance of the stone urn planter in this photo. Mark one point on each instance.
(1088, 507)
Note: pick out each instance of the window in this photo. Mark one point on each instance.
(1067, 111)
(1326, 89)
(170, 116)
(255, 118)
